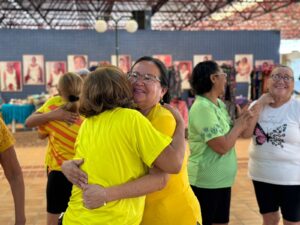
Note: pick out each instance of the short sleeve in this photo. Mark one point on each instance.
(166, 124)
(49, 102)
(6, 138)
(150, 142)
(207, 123)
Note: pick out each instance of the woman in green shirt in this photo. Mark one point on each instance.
(212, 163)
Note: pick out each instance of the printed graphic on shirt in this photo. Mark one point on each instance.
(275, 137)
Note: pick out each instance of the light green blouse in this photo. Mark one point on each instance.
(206, 168)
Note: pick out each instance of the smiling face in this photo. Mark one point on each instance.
(147, 94)
(281, 83)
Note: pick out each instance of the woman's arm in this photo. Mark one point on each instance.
(223, 144)
(37, 118)
(13, 173)
(264, 100)
(95, 196)
(171, 158)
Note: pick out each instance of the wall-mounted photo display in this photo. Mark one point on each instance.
(77, 62)
(243, 66)
(124, 62)
(264, 68)
(54, 70)
(99, 63)
(264, 65)
(166, 59)
(33, 70)
(228, 63)
(184, 69)
(201, 58)
(10, 73)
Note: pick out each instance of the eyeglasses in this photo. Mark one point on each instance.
(285, 78)
(146, 78)
(221, 74)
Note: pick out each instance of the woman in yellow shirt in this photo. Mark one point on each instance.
(118, 145)
(59, 121)
(174, 201)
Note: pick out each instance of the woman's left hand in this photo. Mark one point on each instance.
(94, 196)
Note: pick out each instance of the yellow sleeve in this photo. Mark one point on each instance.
(165, 123)
(150, 142)
(52, 101)
(6, 138)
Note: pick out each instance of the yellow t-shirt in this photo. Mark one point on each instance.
(117, 146)
(6, 138)
(61, 136)
(176, 203)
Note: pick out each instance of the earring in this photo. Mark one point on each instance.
(161, 101)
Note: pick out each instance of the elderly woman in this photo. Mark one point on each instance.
(118, 144)
(274, 164)
(13, 172)
(212, 163)
(149, 80)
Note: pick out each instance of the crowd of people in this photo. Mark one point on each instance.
(117, 151)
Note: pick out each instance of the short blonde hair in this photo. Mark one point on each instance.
(69, 86)
(104, 89)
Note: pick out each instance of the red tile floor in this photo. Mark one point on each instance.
(243, 207)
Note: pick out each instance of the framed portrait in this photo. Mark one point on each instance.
(33, 70)
(10, 73)
(264, 65)
(99, 63)
(243, 67)
(166, 59)
(124, 62)
(228, 63)
(201, 58)
(77, 62)
(184, 69)
(54, 70)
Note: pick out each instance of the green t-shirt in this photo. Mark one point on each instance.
(206, 168)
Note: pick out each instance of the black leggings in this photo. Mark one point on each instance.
(215, 204)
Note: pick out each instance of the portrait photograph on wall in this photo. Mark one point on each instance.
(10, 73)
(166, 59)
(243, 66)
(201, 58)
(124, 62)
(99, 63)
(264, 65)
(228, 63)
(184, 69)
(33, 70)
(77, 62)
(54, 70)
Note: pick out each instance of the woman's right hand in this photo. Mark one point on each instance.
(177, 116)
(244, 116)
(265, 99)
(63, 115)
(73, 173)
(94, 196)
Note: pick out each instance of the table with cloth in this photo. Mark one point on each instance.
(16, 113)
